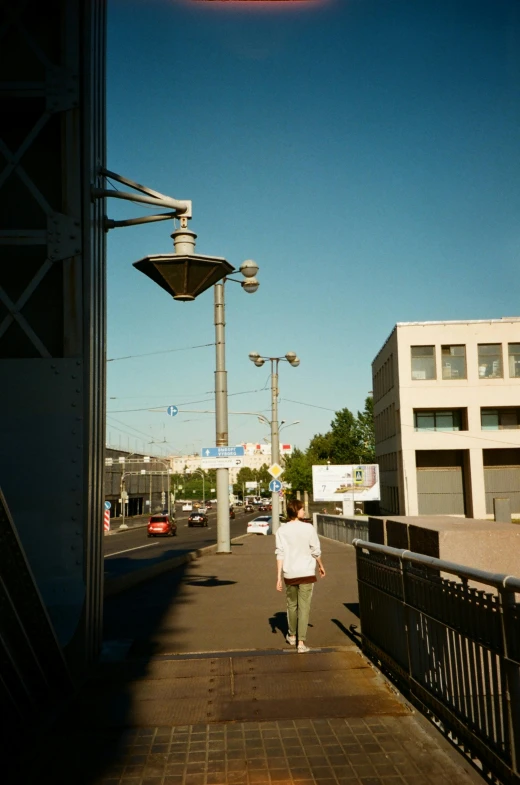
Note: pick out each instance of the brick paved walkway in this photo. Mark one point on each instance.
(116, 733)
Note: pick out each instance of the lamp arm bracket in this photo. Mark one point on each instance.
(176, 207)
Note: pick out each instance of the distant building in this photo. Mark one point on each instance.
(447, 417)
(142, 479)
(256, 456)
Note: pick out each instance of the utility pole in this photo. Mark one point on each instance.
(221, 420)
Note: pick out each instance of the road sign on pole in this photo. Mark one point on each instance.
(275, 470)
(224, 462)
(222, 452)
(275, 486)
(107, 505)
(172, 410)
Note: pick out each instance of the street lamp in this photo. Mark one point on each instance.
(184, 275)
(249, 269)
(201, 474)
(258, 360)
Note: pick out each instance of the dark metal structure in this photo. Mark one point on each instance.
(52, 332)
(336, 527)
(453, 647)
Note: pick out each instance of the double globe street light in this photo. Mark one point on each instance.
(258, 360)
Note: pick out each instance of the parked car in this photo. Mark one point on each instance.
(161, 526)
(231, 513)
(198, 518)
(260, 525)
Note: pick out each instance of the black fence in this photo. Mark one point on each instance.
(452, 647)
(336, 527)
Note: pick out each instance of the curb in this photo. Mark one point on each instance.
(130, 529)
(131, 579)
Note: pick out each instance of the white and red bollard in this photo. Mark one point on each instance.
(106, 517)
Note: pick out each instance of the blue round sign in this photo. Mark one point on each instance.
(107, 505)
(172, 410)
(275, 486)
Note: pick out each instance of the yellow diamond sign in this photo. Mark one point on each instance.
(275, 470)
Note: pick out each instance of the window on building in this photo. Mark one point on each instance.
(514, 360)
(423, 362)
(440, 420)
(453, 359)
(490, 361)
(499, 419)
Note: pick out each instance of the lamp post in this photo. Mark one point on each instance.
(250, 285)
(123, 493)
(201, 474)
(258, 360)
(184, 275)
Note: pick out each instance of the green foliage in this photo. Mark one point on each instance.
(298, 471)
(246, 474)
(351, 440)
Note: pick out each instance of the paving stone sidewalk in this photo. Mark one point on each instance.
(179, 637)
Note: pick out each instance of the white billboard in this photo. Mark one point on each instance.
(251, 485)
(359, 482)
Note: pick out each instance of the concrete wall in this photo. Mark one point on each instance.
(482, 544)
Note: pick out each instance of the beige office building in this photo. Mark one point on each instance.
(447, 417)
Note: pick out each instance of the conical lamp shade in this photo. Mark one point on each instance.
(184, 277)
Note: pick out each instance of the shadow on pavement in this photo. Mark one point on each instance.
(351, 633)
(81, 747)
(353, 607)
(209, 581)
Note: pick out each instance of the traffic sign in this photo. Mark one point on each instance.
(107, 505)
(172, 410)
(275, 470)
(275, 486)
(221, 452)
(224, 462)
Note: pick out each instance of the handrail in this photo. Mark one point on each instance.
(497, 579)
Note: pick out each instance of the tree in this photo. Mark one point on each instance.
(298, 471)
(366, 432)
(246, 474)
(263, 476)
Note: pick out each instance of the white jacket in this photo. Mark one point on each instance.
(298, 546)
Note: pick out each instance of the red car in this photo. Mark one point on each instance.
(161, 526)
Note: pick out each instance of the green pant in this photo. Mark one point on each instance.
(298, 608)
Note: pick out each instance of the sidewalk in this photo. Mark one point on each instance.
(198, 687)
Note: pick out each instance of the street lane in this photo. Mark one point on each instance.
(128, 550)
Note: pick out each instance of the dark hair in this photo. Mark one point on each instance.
(292, 508)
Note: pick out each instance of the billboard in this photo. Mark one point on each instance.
(251, 485)
(359, 482)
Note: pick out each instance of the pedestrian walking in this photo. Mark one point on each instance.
(297, 553)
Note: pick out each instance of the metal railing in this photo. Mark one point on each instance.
(453, 648)
(337, 527)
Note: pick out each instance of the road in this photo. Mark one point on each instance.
(132, 549)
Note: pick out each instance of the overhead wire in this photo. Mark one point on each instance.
(161, 351)
(159, 409)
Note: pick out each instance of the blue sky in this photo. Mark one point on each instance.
(363, 152)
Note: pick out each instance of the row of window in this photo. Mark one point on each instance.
(385, 423)
(383, 380)
(453, 361)
(457, 419)
(387, 462)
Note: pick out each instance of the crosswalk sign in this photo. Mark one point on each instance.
(359, 476)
